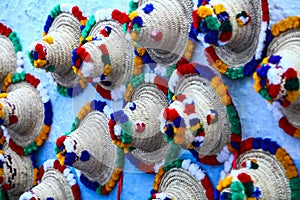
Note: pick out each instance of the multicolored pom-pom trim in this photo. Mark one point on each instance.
(275, 81)
(38, 54)
(281, 155)
(188, 166)
(67, 173)
(2, 161)
(68, 157)
(249, 68)
(48, 113)
(15, 40)
(222, 91)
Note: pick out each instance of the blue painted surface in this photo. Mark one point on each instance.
(27, 18)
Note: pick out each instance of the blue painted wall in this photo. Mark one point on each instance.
(27, 18)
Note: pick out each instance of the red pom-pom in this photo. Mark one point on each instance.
(244, 178)
(274, 90)
(115, 14)
(196, 19)
(103, 191)
(104, 33)
(286, 126)
(210, 160)
(236, 137)
(225, 36)
(209, 193)
(182, 61)
(75, 10)
(104, 93)
(170, 114)
(7, 32)
(161, 83)
(211, 55)
(206, 183)
(39, 48)
(35, 82)
(6, 187)
(60, 141)
(246, 145)
(189, 109)
(41, 173)
(13, 119)
(186, 69)
(290, 74)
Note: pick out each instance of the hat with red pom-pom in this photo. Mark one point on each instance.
(18, 173)
(53, 53)
(25, 112)
(162, 27)
(277, 77)
(11, 59)
(135, 128)
(182, 179)
(261, 170)
(55, 181)
(234, 33)
(201, 116)
(88, 148)
(104, 55)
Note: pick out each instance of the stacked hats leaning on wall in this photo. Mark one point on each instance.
(143, 59)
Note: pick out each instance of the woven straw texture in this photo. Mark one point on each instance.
(244, 41)
(173, 19)
(24, 101)
(198, 89)
(8, 58)
(93, 136)
(287, 45)
(120, 53)
(66, 32)
(179, 184)
(269, 177)
(18, 172)
(149, 102)
(53, 184)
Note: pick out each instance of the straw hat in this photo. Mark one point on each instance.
(201, 116)
(104, 56)
(10, 51)
(277, 77)
(26, 112)
(89, 149)
(182, 180)
(263, 170)
(54, 52)
(160, 27)
(19, 173)
(55, 182)
(236, 31)
(136, 126)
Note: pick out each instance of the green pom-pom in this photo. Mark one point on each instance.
(212, 23)
(264, 93)
(99, 189)
(30, 56)
(137, 80)
(51, 68)
(292, 84)
(226, 26)
(170, 70)
(295, 187)
(238, 196)
(56, 149)
(237, 186)
(249, 187)
(124, 28)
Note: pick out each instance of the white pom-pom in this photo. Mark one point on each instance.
(45, 98)
(26, 196)
(66, 7)
(69, 145)
(199, 175)
(87, 68)
(70, 177)
(186, 164)
(193, 169)
(274, 76)
(117, 130)
(49, 164)
(72, 182)
(67, 171)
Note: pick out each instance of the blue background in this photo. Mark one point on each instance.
(27, 18)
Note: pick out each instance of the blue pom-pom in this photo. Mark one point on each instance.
(235, 145)
(101, 105)
(1, 121)
(89, 184)
(49, 198)
(211, 37)
(169, 131)
(138, 20)
(70, 158)
(147, 59)
(123, 118)
(108, 29)
(273, 147)
(35, 55)
(223, 16)
(93, 104)
(274, 59)
(132, 106)
(262, 71)
(263, 82)
(148, 8)
(116, 115)
(216, 194)
(265, 144)
(153, 192)
(250, 67)
(178, 122)
(257, 143)
(85, 156)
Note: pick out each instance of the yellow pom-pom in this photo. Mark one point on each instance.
(141, 51)
(204, 11)
(275, 30)
(107, 70)
(297, 133)
(292, 96)
(227, 181)
(75, 69)
(89, 38)
(49, 39)
(132, 15)
(44, 34)
(3, 95)
(219, 8)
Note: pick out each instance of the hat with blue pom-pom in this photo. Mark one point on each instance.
(53, 52)
(104, 55)
(11, 59)
(88, 148)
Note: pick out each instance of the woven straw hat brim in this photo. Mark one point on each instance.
(93, 136)
(8, 58)
(66, 33)
(30, 112)
(150, 144)
(198, 89)
(287, 45)
(120, 53)
(173, 19)
(270, 177)
(244, 41)
(179, 184)
(53, 184)
(18, 169)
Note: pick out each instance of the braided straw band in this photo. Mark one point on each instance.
(120, 54)
(182, 179)
(172, 18)
(18, 173)
(199, 90)
(8, 58)
(142, 125)
(88, 148)
(56, 182)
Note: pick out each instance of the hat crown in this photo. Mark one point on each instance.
(8, 59)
